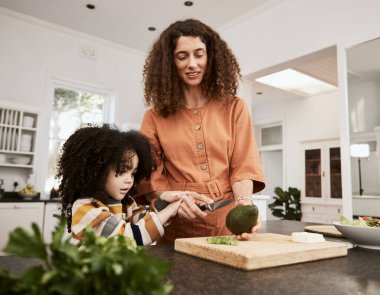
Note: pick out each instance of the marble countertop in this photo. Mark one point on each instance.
(356, 273)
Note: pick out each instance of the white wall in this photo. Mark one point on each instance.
(364, 111)
(32, 51)
(308, 118)
(294, 28)
(364, 116)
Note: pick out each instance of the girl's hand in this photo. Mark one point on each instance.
(172, 196)
(189, 207)
(173, 207)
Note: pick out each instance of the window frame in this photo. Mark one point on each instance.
(59, 82)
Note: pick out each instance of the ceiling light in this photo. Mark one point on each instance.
(90, 6)
(296, 82)
(188, 3)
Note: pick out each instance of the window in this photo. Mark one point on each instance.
(71, 108)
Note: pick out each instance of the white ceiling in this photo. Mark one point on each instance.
(321, 65)
(126, 21)
(363, 61)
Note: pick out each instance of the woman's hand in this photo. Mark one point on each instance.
(189, 207)
(254, 230)
(248, 236)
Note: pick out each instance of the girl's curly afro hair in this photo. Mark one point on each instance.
(88, 155)
(163, 89)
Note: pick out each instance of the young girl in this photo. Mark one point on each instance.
(98, 167)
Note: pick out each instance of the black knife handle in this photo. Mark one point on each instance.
(205, 207)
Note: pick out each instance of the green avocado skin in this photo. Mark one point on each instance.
(241, 219)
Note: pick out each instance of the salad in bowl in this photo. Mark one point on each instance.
(363, 231)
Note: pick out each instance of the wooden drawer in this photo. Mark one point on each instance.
(318, 218)
(312, 208)
(333, 210)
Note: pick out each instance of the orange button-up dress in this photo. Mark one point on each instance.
(205, 150)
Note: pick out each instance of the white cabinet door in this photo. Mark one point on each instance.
(13, 215)
(51, 219)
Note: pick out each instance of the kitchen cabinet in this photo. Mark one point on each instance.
(321, 194)
(20, 214)
(51, 219)
(18, 133)
(321, 213)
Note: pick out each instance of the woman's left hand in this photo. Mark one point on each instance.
(256, 228)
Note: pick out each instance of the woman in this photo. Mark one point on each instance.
(201, 132)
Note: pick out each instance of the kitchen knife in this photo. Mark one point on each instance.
(215, 205)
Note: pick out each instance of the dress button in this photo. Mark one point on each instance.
(203, 166)
(200, 146)
(195, 112)
(197, 127)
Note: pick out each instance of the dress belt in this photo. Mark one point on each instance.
(215, 188)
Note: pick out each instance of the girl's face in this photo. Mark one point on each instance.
(118, 186)
(190, 57)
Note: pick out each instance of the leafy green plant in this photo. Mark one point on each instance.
(99, 266)
(287, 204)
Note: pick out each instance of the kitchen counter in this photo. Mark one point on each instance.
(357, 273)
(14, 197)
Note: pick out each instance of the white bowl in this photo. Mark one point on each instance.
(27, 197)
(366, 237)
(20, 160)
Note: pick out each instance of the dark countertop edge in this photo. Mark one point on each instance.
(34, 200)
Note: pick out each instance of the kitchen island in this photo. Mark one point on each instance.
(356, 273)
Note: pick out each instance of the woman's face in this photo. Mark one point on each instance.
(190, 57)
(117, 186)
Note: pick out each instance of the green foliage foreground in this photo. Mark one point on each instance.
(98, 266)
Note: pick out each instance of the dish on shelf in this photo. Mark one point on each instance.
(362, 236)
(20, 160)
(28, 122)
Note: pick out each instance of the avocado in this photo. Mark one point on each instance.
(241, 219)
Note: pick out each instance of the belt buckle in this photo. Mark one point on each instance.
(213, 188)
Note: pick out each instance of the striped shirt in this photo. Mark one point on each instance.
(105, 216)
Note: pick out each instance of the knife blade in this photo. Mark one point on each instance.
(215, 205)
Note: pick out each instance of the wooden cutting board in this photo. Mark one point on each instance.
(266, 250)
(326, 230)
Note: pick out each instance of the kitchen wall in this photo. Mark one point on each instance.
(295, 28)
(364, 106)
(33, 51)
(304, 119)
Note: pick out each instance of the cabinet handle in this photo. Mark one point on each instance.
(313, 209)
(16, 207)
(323, 173)
(338, 210)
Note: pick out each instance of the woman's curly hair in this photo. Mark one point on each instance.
(162, 83)
(90, 153)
